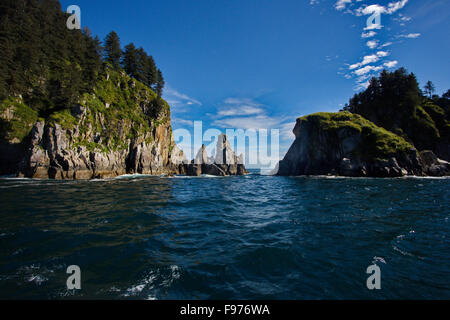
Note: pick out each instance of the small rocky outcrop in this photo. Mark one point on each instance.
(348, 145)
(433, 166)
(226, 163)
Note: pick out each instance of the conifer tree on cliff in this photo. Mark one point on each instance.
(112, 51)
(159, 83)
(429, 88)
(130, 61)
(152, 72)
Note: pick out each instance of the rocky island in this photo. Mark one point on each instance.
(72, 107)
(225, 163)
(123, 127)
(389, 130)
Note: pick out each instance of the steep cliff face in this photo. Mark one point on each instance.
(123, 127)
(226, 163)
(347, 144)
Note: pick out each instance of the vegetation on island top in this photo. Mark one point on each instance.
(393, 115)
(395, 102)
(376, 141)
(46, 70)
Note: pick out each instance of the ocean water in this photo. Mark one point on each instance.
(251, 237)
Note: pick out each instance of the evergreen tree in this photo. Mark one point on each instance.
(159, 83)
(394, 101)
(152, 73)
(429, 88)
(47, 64)
(50, 66)
(130, 60)
(112, 50)
(142, 66)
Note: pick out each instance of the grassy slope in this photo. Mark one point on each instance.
(16, 129)
(125, 96)
(376, 141)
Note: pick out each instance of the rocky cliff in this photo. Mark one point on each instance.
(122, 127)
(347, 144)
(225, 163)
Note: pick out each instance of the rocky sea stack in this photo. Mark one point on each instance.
(225, 162)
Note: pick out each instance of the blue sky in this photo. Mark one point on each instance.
(261, 64)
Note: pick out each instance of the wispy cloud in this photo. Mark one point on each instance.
(369, 59)
(391, 8)
(369, 34)
(341, 4)
(387, 44)
(367, 69)
(255, 122)
(409, 35)
(240, 107)
(370, 64)
(390, 64)
(183, 122)
(244, 113)
(177, 99)
(372, 44)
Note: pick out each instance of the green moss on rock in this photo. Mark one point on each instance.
(16, 120)
(376, 142)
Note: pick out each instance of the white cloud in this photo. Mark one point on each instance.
(409, 36)
(367, 69)
(256, 122)
(183, 122)
(391, 64)
(240, 101)
(368, 60)
(341, 4)
(177, 99)
(372, 44)
(402, 19)
(241, 111)
(391, 8)
(362, 85)
(382, 54)
(238, 113)
(387, 44)
(240, 107)
(369, 34)
(395, 6)
(363, 78)
(367, 10)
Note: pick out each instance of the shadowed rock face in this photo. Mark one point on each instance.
(348, 145)
(433, 166)
(51, 154)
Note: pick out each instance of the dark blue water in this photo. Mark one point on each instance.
(253, 237)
